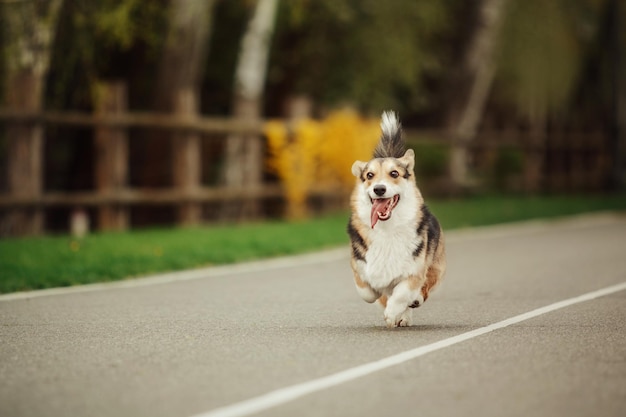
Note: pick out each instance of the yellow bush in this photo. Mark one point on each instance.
(314, 154)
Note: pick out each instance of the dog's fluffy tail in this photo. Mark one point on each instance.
(391, 143)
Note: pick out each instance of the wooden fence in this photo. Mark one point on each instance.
(25, 201)
(561, 162)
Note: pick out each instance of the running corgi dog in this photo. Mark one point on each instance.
(398, 253)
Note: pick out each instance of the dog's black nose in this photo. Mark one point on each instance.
(379, 190)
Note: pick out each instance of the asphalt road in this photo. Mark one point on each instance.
(183, 345)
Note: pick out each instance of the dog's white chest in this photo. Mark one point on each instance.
(389, 257)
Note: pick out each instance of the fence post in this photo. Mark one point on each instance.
(25, 166)
(186, 160)
(25, 157)
(111, 146)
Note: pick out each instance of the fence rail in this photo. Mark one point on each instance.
(165, 121)
(139, 196)
(26, 201)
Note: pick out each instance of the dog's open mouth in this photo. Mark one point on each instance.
(382, 207)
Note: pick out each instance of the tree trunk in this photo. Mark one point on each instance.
(180, 73)
(29, 29)
(185, 51)
(173, 158)
(471, 86)
(243, 165)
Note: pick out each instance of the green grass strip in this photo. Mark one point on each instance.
(55, 261)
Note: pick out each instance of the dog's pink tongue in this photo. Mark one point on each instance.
(378, 205)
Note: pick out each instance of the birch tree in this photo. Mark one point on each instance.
(244, 153)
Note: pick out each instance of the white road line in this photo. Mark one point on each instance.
(287, 394)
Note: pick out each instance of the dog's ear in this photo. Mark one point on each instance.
(408, 160)
(357, 168)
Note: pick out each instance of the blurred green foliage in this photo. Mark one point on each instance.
(368, 53)
(542, 53)
(104, 39)
(509, 163)
(431, 159)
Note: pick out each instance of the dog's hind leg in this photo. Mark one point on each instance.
(383, 301)
(434, 273)
(364, 289)
(433, 276)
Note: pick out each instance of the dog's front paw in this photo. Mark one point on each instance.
(398, 320)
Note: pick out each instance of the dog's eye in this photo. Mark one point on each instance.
(394, 174)
(369, 175)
